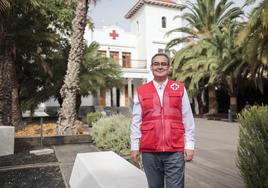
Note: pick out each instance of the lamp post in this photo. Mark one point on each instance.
(41, 113)
(41, 122)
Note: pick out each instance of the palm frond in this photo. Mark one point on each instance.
(98, 72)
(4, 7)
(176, 41)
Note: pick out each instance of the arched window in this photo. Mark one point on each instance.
(164, 22)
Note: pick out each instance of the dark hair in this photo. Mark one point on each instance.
(160, 54)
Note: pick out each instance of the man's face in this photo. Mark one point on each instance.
(160, 67)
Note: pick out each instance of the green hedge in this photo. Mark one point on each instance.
(112, 133)
(93, 117)
(253, 147)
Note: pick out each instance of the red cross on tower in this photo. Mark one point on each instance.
(113, 34)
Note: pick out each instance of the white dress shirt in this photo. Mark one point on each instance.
(187, 118)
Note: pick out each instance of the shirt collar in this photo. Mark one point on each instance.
(158, 86)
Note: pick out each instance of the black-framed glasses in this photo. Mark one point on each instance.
(162, 64)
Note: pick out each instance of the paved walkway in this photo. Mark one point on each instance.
(214, 162)
(213, 165)
(66, 156)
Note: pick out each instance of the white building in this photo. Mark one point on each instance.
(150, 20)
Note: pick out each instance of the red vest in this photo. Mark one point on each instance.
(162, 128)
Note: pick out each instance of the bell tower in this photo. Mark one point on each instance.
(150, 21)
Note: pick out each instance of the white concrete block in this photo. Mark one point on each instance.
(45, 151)
(105, 170)
(7, 139)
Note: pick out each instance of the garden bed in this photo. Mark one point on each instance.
(27, 170)
(29, 136)
(48, 129)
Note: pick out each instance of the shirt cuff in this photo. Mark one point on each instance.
(135, 145)
(189, 145)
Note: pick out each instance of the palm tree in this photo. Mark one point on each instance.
(215, 60)
(5, 67)
(201, 17)
(27, 41)
(31, 43)
(194, 64)
(28, 47)
(254, 38)
(97, 72)
(230, 67)
(70, 88)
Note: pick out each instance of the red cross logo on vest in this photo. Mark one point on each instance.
(174, 86)
(113, 34)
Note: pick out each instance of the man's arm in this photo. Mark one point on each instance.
(135, 132)
(189, 127)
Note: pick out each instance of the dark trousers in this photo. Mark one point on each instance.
(163, 167)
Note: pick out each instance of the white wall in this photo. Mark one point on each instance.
(141, 33)
(52, 102)
(85, 101)
(155, 34)
(102, 36)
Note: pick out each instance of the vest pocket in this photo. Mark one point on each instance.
(147, 137)
(177, 135)
(175, 99)
(147, 101)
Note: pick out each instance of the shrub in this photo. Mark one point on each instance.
(253, 146)
(93, 117)
(112, 133)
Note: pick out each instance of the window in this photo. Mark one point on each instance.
(161, 50)
(138, 26)
(101, 53)
(126, 59)
(115, 56)
(166, 51)
(102, 97)
(164, 22)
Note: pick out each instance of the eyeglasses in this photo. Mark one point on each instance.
(162, 64)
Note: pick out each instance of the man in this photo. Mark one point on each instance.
(162, 128)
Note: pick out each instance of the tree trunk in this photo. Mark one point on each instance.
(60, 101)
(212, 101)
(96, 98)
(16, 110)
(196, 106)
(70, 88)
(5, 89)
(5, 74)
(233, 103)
(78, 104)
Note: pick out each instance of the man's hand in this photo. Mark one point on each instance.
(188, 154)
(135, 156)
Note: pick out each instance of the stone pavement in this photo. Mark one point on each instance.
(213, 165)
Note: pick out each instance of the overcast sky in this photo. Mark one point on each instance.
(112, 12)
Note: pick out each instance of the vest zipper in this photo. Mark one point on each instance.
(162, 118)
(163, 128)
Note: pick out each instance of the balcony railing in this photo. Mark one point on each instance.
(135, 64)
